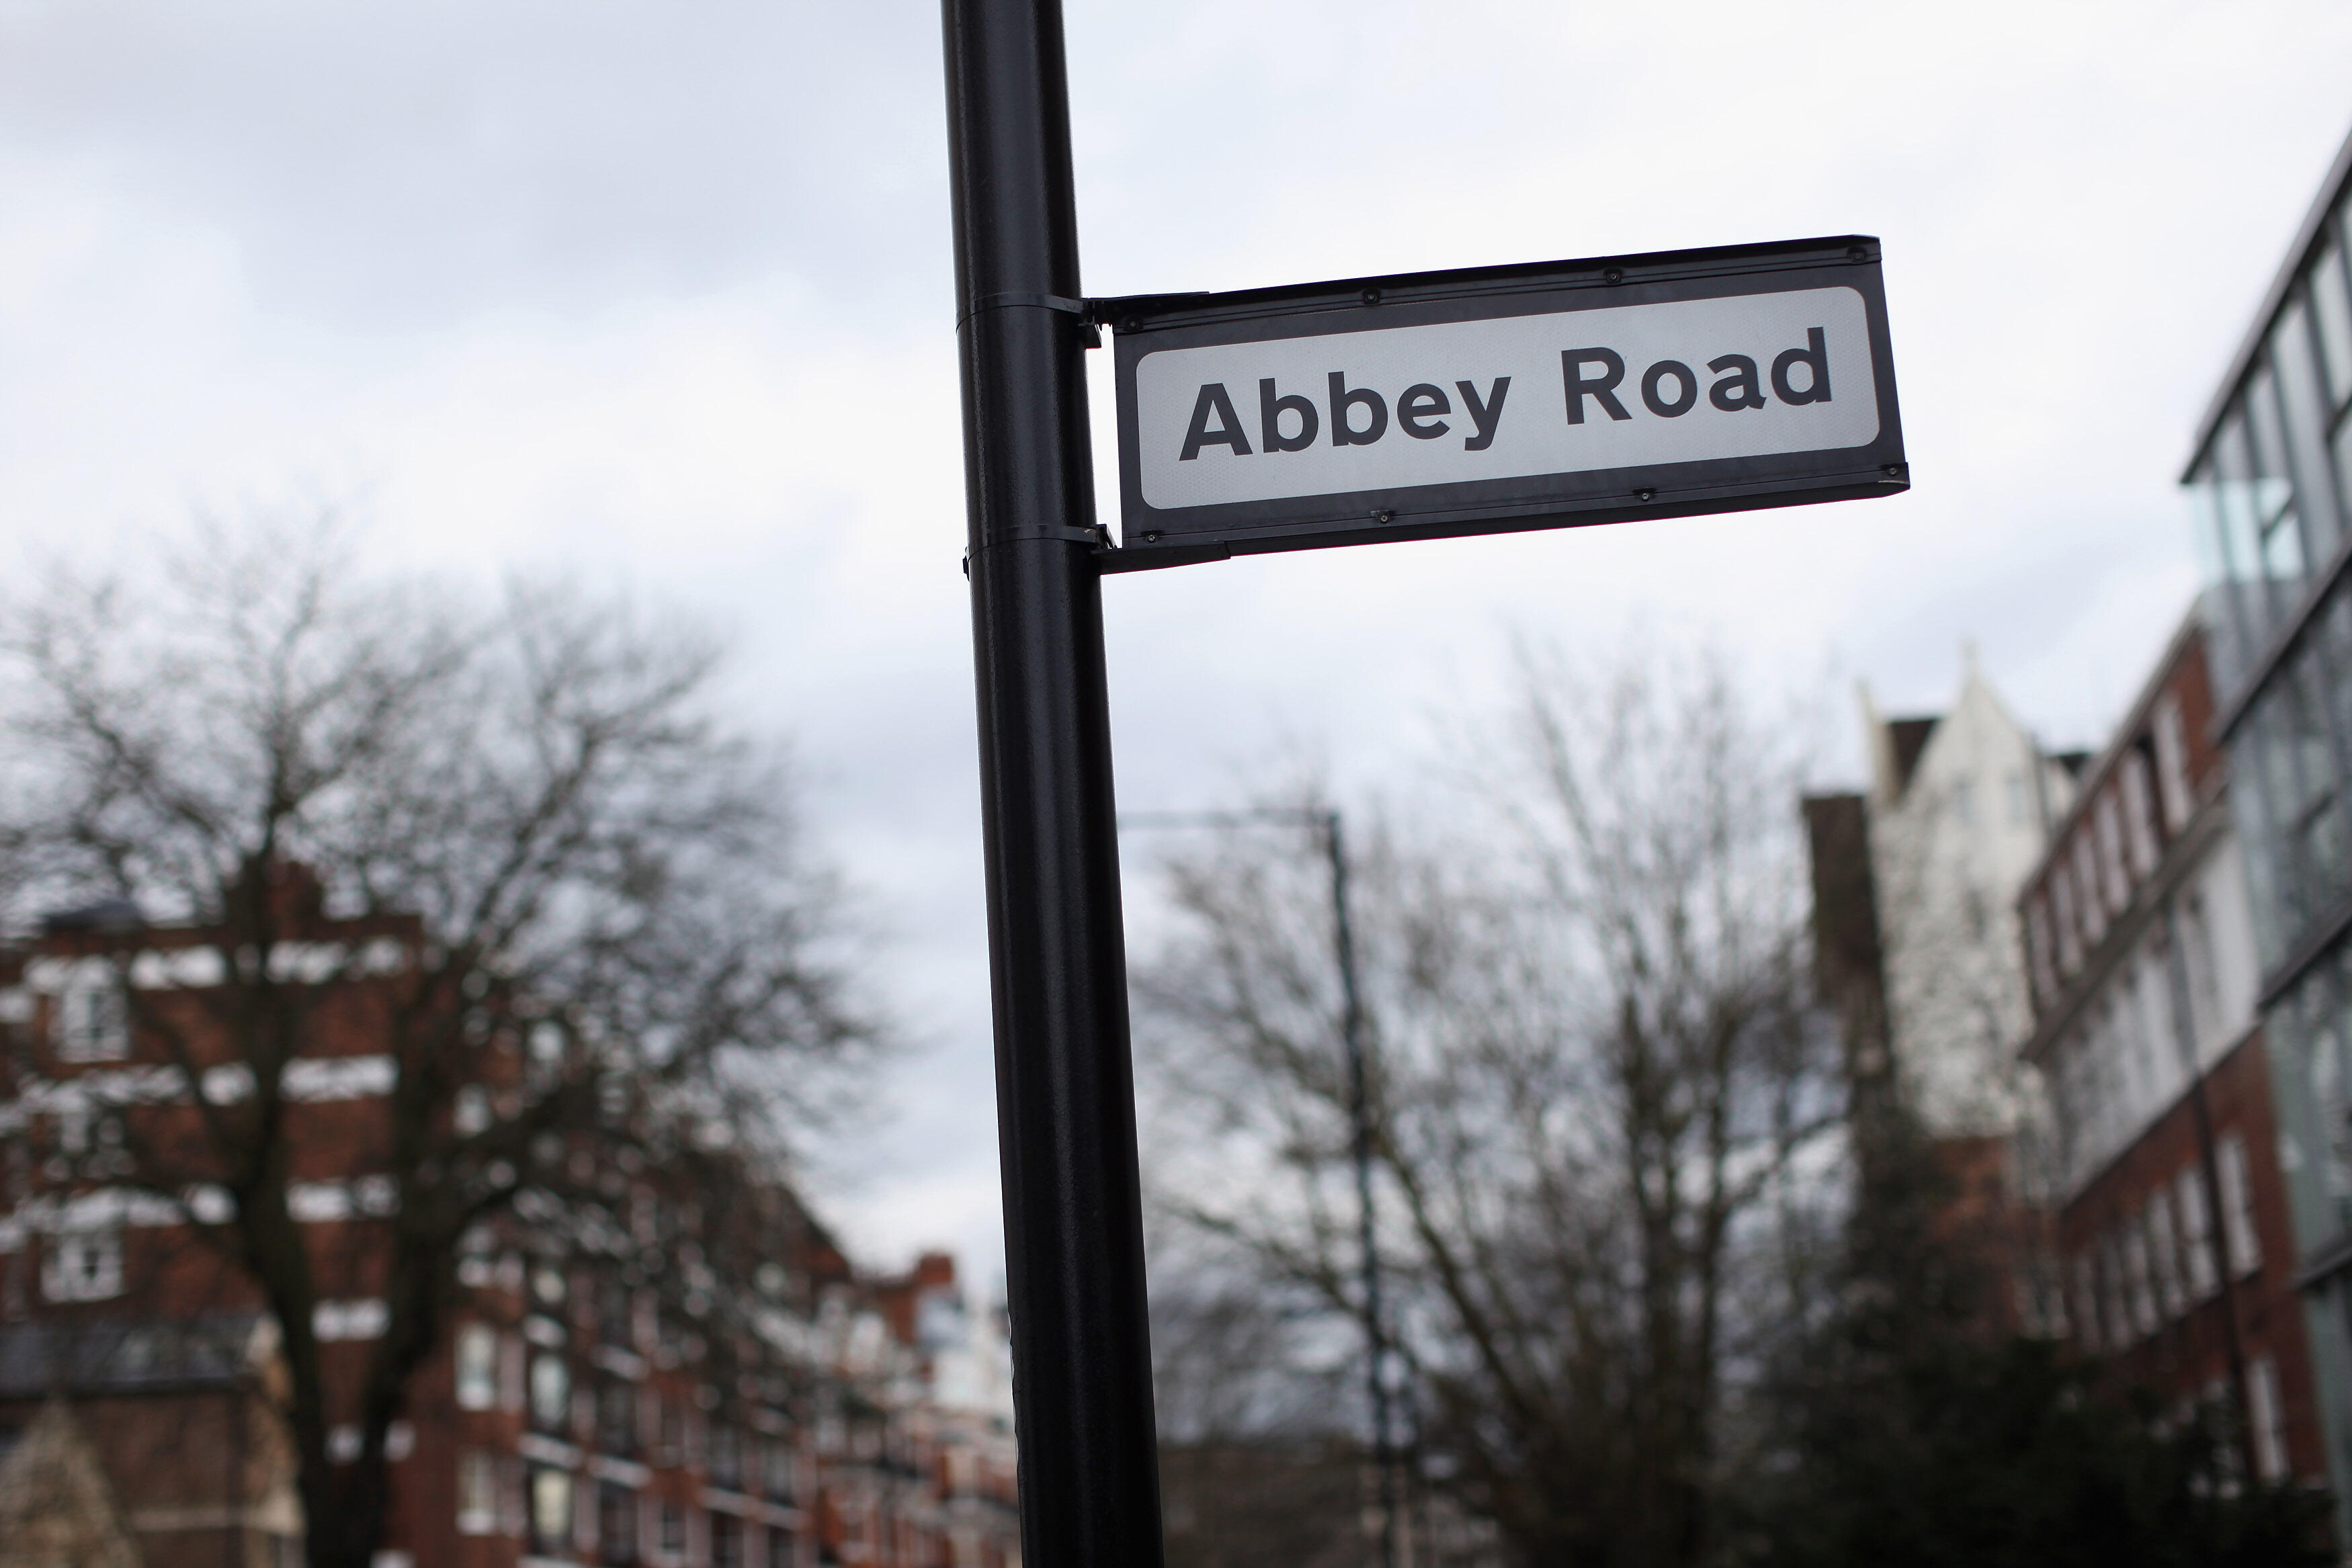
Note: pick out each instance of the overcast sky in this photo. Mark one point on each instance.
(659, 295)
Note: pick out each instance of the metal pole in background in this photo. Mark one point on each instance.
(1064, 1083)
(1325, 823)
(1351, 1035)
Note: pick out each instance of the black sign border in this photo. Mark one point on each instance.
(1156, 537)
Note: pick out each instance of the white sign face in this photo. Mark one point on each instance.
(1510, 397)
(1496, 400)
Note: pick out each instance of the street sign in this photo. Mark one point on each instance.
(1498, 399)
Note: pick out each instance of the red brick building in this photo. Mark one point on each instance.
(2173, 1233)
(615, 1390)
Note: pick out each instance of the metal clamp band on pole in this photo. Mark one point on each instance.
(1057, 957)
(1091, 535)
(1082, 308)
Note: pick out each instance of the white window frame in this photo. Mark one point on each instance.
(83, 1265)
(2114, 1301)
(2062, 906)
(551, 1404)
(2139, 815)
(475, 1374)
(2164, 1254)
(2244, 1241)
(2093, 911)
(477, 1492)
(2143, 1289)
(2086, 1303)
(2108, 828)
(2204, 1267)
(2037, 942)
(89, 1019)
(2267, 1415)
(546, 1482)
(2172, 763)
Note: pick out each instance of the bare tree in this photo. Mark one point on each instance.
(1598, 1080)
(595, 936)
(1255, 1472)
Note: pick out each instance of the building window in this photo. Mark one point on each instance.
(551, 1393)
(2204, 970)
(2242, 1243)
(2109, 828)
(2037, 941)
(2139, 815)
(671, 1426)
(2062, 906)
(2196, 1233)
(2086, 1303)
(778, 1468)
(673, 1531)
(2172, 763)
(2164, 1254)
(547, 1287)
(726, 1540)
(478, 1493)
(550, 1511)
(90, 1022)
(83, 1266)
(2268, 1417)
(782, 1550)
(2013, 787)
(726, 1460)
(2115, 1313)
(2335, 326)
(616, 1417)
(613, 1313)
(2143, 1295)
(477, 1366)
(2086, 886)
(1963, 799)
(617, 1524)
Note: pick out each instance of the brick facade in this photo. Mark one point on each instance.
(605, 1395)
(2174, 1238)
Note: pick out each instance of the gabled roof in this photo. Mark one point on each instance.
(55, 1503)
(1910, 737)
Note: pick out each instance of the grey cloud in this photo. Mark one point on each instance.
(403, 165)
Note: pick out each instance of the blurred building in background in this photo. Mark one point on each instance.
(916, 1451)
(606, 1394)
(2270, 478)
(1959, 808)
(2172, 1234)
(1917, 940)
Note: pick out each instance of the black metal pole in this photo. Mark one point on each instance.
(1359, 1106)
(1064, 1084)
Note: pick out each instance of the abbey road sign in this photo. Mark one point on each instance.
(1498, 399)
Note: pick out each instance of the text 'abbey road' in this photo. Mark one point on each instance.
(1493, 400)
(1505, 397)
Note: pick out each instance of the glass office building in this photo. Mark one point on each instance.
(2271, 485)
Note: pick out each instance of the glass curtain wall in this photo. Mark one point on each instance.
(2269, 490)
(2269, 507)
